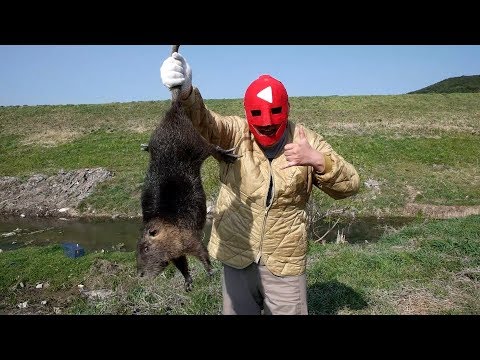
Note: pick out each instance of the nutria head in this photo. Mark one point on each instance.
(157, 246)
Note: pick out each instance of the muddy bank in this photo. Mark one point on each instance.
(56, 195)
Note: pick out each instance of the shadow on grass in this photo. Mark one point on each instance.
(330, 297)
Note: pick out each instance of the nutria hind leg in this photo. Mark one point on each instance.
(182, 264)
(224, 155)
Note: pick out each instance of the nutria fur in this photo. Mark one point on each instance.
(173, 198)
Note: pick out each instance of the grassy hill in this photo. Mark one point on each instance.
(419, 147)
(416, 154)
(460, 84)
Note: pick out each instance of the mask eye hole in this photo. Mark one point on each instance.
(277, 110)
(256, 112)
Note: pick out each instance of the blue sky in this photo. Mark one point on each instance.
(94, 74)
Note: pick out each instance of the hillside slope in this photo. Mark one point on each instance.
(460, 84)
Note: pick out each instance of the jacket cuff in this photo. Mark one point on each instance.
(328, 164)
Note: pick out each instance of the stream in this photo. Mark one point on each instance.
(122, 234)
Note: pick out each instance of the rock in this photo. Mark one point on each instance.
(372, 184)
(23, 305)
(97, 294)
(12, 233)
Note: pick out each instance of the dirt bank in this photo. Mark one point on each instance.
(59, 195)
(56, 195)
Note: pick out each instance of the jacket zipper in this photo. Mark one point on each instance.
(267, 207)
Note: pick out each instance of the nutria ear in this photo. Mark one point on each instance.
(152, 229)
(152, 232)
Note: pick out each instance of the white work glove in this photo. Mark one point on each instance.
(175, 71)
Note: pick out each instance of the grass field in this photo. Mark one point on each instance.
(417, 155)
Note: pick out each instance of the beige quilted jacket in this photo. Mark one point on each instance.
(244, 230)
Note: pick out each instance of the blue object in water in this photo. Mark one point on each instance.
(73, 250)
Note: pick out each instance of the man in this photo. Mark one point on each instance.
(259, 223)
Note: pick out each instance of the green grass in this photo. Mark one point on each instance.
(420, 148)
(118, 151)
(426, 267)
(427, 142)
(436, 263)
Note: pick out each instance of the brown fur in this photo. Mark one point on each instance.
(173, 198)
(163, 242)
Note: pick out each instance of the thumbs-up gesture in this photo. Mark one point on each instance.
(300, 153)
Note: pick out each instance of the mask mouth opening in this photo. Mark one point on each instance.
(268, 130)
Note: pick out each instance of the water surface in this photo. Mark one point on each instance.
(122, 234)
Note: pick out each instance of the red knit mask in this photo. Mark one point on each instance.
(266, 108)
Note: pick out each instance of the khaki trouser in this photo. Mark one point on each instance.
(254, 290)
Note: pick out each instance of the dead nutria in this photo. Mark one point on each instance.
(173, 199)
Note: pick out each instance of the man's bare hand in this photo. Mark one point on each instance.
(300, 153)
